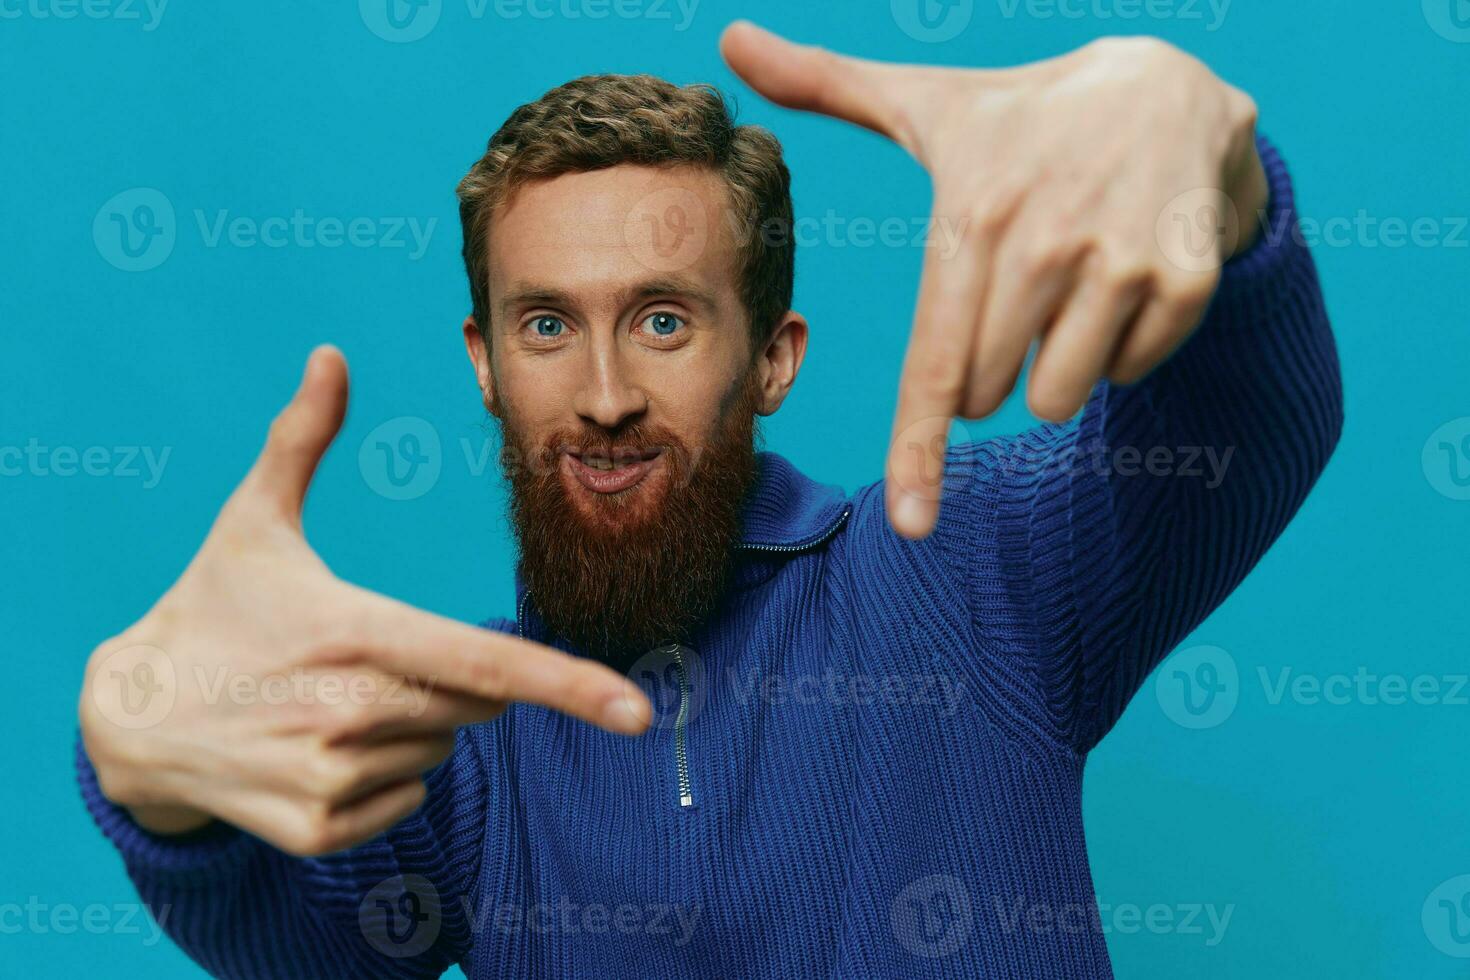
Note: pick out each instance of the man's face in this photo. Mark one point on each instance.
(622, 370)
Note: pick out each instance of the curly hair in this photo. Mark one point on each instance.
(599, 121)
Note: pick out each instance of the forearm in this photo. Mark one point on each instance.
(241, 908)
(1174, 488)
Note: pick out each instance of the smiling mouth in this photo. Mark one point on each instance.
(602, 472)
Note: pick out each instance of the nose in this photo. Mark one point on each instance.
(610, 396)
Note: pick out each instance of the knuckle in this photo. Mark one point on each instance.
(321, 835)
(987, 393)
(1134, 47)
(934, 375)
(570, 687)
(831, 80)
(488, 676)
(1045, 255)
(311, 832)
(345, 723)
(333, 776)
(115, 786)
(1121, 274)
(282, 434)
(1184, 294)
(1245, 107)
(988, 215)
(585, 686)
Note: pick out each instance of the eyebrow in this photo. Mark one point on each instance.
(527, 295)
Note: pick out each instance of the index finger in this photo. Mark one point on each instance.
(404, 640)
(935, 373)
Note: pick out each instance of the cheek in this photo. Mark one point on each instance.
(531, 394)
(694, 411)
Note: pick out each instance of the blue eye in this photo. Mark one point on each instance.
(664, 324)
(549, 326)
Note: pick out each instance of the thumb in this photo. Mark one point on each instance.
(301, 433)
(800, 76)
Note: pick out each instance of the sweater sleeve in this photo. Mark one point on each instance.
(394, 906)
(1112, 536)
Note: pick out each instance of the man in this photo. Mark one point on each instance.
(873, 712)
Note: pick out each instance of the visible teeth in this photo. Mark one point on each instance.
(598, 463)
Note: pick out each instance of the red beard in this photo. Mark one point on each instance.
(618, 574)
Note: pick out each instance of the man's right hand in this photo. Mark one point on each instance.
(257, 615)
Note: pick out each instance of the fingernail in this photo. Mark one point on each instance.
(628, 711)
(911, 515)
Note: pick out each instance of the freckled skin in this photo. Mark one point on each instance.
(595, 240)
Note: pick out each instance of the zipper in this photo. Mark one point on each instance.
(681, 730)
(681, 720)
(804, 545)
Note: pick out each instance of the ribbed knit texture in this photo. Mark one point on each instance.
(847, 819)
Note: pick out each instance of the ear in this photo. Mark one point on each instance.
(474, 345)
(780, 360)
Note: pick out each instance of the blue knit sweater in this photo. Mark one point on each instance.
(869, 763)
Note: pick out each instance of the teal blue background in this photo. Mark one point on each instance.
(1326, 827)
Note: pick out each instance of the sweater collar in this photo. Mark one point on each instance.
(785, 514)
(788, 511)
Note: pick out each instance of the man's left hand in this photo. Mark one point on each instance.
(1092, 197)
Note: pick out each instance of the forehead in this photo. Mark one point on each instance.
(611, 228)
